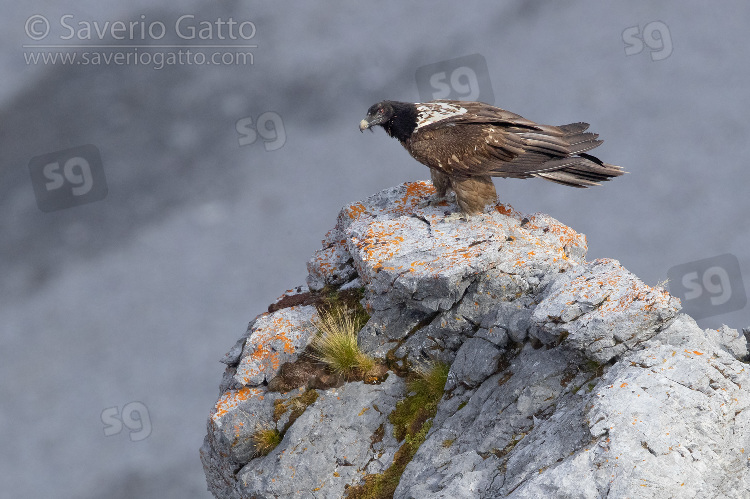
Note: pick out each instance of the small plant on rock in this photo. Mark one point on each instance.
(426, 388)
(430, 379)
(296, 407)
(412, 420)
(336, 344)
(265, 439)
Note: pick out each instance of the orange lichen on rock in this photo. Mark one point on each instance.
(615, 291)
(325, 263)
(355, 210)
(415, 193)
(603, 309)
(275, 339)
(381, 241)
(232, 398)
(565, 235)
(508, 211)
(636, 291)
(392, 229)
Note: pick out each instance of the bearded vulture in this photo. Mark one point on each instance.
(466, 143)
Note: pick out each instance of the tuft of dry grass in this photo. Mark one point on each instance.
(430, 379)
(265, 439)
(336, 344)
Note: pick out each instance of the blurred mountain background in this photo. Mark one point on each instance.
(129, 301)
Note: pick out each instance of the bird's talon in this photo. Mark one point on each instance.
(456, 216)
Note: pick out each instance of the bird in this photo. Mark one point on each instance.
(465, 144)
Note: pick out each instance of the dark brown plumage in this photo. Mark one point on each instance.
(466, 143)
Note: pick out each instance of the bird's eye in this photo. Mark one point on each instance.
(380, 110)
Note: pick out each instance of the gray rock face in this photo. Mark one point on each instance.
(329, 446)
(276, 338)
(568, 378)
(603, 310)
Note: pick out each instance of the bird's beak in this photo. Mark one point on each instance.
(363, 125)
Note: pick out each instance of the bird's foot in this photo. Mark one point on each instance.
(456, 216)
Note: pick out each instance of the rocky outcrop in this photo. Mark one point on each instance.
(567, 378)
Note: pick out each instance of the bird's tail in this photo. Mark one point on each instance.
(583, 170)
(579, 169)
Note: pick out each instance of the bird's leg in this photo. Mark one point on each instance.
(473, 194)
(442, 183)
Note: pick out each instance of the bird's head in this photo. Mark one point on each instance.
(378, 114)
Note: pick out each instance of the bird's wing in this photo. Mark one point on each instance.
(464, 150)
(490, 141)
(437, 113)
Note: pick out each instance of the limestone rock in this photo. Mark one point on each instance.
(568, 378)
(329, 446)
(276, 338)
(601, 309)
